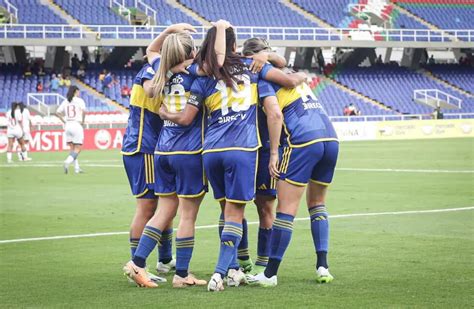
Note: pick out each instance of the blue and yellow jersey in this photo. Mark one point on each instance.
(263, 128)
(144, 124)
(232, 112)
(176, 139)
(304, 120)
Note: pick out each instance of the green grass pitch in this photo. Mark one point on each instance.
(399, 260)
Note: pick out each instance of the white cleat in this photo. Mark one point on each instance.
(79, 171)
(163, 268)
(216, 283)
(323, 275)
(236, 277)
(66, 168)
(27, 159)
(261, 280)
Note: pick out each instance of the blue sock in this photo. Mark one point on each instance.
(281, 236)
(320, 231)
(184, 251)
(263, 246)
(133, 245)
(165, 247)
(150, 237)
(230, 239)
(221, 224)
(243, 250)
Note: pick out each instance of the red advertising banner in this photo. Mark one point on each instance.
(54, 140)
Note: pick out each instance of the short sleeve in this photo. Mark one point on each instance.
(193, 69)
(266, 67)
(197, 96)
(265, 89)
(155, 64)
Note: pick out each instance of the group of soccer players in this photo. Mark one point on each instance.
(252, 130)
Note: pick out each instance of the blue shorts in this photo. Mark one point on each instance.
(266, 184)
(315, 163)
(232, 174)
(181, 174)
(141, 175)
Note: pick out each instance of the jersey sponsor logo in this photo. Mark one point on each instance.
(167, 123)
(226, 119)
(312, 105)
(102, 139)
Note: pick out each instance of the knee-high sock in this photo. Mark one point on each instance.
(263, 246)
(150, 237)
(320, 232)
(184, 252)
(230, 239)
(281, 236)
(165, 247)
(133, 245)
(243, 250)
(221, 224)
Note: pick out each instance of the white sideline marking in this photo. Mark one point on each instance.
(203, 227)
(355, 169)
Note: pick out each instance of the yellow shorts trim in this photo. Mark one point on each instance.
(142, 194)
(238, 201)
(129, 153)
(314, 142)
(192, 195)
(178, 152)
(231, 148)
(320, 182)
(299, 184)
(220, 199)
(165, 194)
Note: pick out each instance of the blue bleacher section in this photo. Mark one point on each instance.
(33, 12)
(249, 12)
(167, 14)
(91, 12)
(444, 16)
(333, 12)
(402, 21)
(394, 86)
(460, 76)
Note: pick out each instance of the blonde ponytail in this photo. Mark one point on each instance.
(176, 48)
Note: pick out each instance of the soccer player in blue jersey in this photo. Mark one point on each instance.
(309, 155)
(139, 143)
(231, 139)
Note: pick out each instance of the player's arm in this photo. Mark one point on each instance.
(275, 124)
(259, 60)
(220, 43)
(154, 49)
(183, 118)
(286, 80)
(59, 113)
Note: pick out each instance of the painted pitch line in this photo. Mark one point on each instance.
(203, 227)
(350, 169)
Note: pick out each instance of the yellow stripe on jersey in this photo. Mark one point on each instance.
(140, 99)
(214, 101)
(286, 96)
(176, 102)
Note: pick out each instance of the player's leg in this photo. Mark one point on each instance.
(21, 145)
(26, 141)
(321, 177)
(77, 151)
(144, 211)
(265, 205)
(11, 140)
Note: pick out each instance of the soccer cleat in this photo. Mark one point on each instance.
(138, 275)
(261, 280)
(257, 269)
(246, 265)
(155, 278)
(236, 277)
(216, 283)
(180, 282)
(79, 171)
(66, 168)
(323, 275)
(27, 159)
(163, 268)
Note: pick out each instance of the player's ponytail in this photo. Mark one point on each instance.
(14, 106)
(71, 93)
(254, 46)
(176, 48)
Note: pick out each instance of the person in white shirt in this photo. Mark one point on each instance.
(72, 112)
(15, 131)
(26, 122)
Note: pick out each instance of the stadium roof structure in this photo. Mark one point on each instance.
(126, 35)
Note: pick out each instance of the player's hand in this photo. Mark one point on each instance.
(221, 23)
(181, 68)
(259, 60)
(273, 166)
(180, 28)
(163, 112)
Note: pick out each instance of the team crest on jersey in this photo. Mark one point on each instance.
(150, 70)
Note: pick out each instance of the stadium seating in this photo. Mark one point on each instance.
(91, 12)
(14, 87)
(249, 12)
(394, 86)
(460, 76)
(33, 12)
(167, 15)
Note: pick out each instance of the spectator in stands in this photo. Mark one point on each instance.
(85, 58)
(75, 63)
(67, 81)
(379, 60)
(353, 111)
(27, 73)
(81, 73)
(97, 56)
(437, 114)
(54, 83)
(431, 60)
(346, 111)
(107, 83)
(125, 91)
(39, 87)
(61, 80)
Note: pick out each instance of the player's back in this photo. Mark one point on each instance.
(73, 111)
